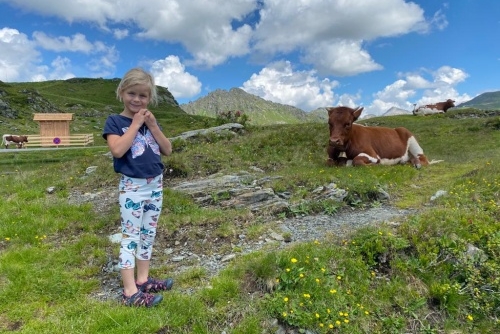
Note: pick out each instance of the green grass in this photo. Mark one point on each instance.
(420, 275)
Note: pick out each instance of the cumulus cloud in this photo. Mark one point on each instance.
(331, 34)
(22, 57)
(103, 64)
(61, 69)
(340, 58)
(170, 73)
(278, 82)
(120, 33)
(19, 56)
(100, 64)
(207, 29)
(75, 43)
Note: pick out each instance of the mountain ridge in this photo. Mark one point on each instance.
(485, 101)
(259, 110)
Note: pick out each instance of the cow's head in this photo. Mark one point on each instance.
(340, 121)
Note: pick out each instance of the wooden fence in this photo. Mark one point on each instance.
(55, 141)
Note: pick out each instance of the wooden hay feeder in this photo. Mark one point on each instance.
(54, 128)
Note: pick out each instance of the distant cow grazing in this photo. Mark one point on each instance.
(363, 145)
(438, 108)
(19, 141)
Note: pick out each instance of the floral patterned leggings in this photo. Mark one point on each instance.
(140, 206)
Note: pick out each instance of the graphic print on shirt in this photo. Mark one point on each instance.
(141, 142)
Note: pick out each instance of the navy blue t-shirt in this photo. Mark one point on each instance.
(143, 159)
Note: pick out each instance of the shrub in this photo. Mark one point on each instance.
(224, 117)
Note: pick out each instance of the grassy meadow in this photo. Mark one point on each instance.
(433, 272)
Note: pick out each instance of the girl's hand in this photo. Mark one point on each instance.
(149, 119)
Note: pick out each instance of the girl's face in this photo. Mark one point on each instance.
(135, 98)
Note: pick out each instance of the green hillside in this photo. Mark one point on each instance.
(485, 101)
(90, 100)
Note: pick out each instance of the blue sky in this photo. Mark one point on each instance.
(306, 53)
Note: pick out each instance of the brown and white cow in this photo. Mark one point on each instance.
(355, 144)
(19, 141)
(438, 108)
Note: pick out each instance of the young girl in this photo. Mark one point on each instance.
(136, 143)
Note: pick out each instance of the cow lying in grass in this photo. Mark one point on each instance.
(430, 109)
(355, 144)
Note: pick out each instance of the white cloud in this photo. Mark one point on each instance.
(349, 100)
(103, 64)
(97, 11)
(19, 56)
(76, 43)
(61, 69)
(170, 73)
(102, 57)
(205, 28)
(331, 34)
(120, 33)
(340, 58)
(330, 20)
(278, 82)
(449, 76)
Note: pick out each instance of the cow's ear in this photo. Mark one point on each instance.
(330, 110)
(357, 112)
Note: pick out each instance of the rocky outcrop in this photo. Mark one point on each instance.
(233, 128)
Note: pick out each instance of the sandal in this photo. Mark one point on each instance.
(154, 285)
(142, 299)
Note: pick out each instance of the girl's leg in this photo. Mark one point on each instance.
(152, 209)
(128, 278)
(131, 216)
(142, 271)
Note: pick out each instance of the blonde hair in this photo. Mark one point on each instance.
(138, 76)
